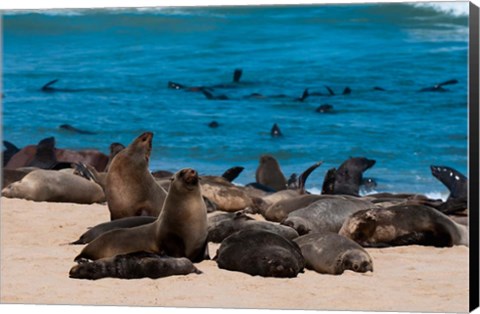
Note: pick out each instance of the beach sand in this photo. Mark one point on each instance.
(36, 259)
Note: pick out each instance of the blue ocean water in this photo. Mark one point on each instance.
(118, 63)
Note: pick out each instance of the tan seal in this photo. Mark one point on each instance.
(179, 231)
(130, 188)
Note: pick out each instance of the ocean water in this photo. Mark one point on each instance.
(116, 64)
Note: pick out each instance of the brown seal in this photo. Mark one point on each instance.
(179, 231)
(130, 188)
(269, 173)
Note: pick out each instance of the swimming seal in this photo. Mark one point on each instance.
(68, 127)
(331, 253)
(260, 253)
(133, 266)
(403, 225)
(179, 231)
(10, 150)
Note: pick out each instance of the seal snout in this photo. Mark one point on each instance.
(190, 176)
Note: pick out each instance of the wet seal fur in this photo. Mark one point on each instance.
(130, 188)
(331, 253)
(404, 225)
(179, 231)
(260, 253)
(133, 266)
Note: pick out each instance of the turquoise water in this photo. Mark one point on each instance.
(117, 64)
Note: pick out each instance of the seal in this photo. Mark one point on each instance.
(68, 127)
(457, 184)
(45, 157)
(55, 186)
(331, 253)
(10, 150)
(221, 226)
(133, 266)
(130, 188)
(260, 253)
(275, 131)
(326, 108)
(439, 87)
(269, 173)
(127, 222)
(115, 148)
(326, 214)
(13, 175)
(179, 231)
(348, 177)
(403, 225)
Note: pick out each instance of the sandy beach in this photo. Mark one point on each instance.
(36, 259)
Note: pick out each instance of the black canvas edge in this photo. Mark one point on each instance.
(473, 155)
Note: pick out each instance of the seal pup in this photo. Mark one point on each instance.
(403, 225)
(55, 186)
(326, 214)
(331, 253)
(130, 188)
(260, 253)
(439, 87)
(179, 231)
(68, 127)
(269, 173)
(457, 184)
(10, 150)
(221, 226)
(133, 266)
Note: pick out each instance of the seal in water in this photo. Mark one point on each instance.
(331, 253)
(439, 87)
(133, 266)
(260, 253)
(68, 127)
(275, 131)
(403, 225)
(130, 188)
(179, 231)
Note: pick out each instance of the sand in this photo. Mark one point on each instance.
(36, 259)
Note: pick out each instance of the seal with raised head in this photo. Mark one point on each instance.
(133, 266)
(348, 177)
(179, 231)
(269, 173)
(130, 188)
(457, 184)
(55, 186)
(260, 253)
(403, 225)
(331, 253)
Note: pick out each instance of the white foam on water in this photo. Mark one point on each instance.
(453, 8)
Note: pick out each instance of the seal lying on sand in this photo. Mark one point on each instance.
(221, 226)
(326, 214)
(331, 253)
(130, 188)
(404, 225)
(179, 231)
(134, 265)
(55, 186)
(260, 253)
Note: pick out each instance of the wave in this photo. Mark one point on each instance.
(456, 9)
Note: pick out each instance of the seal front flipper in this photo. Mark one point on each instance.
(303, 177)
(47, 87)
(11, 150)
(304, 95)
(232, 173)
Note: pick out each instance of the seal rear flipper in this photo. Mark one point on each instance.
(237, 74)
(232, 173)
(303, 177)
(330, 90)
(449, 82)
(304, 95)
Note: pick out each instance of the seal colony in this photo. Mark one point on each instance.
(160, 223)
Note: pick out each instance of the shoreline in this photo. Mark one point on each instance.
(35, 260)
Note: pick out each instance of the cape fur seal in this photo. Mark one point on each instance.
(457, 184)
(331, 253)
(132, 266)
(260, 253)
(55, 186)
(10, 150)
(348, 177)
(403, 225)
(130, 188)
(269, 173)
(179, 231)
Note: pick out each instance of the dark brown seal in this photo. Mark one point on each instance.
(269, 173)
